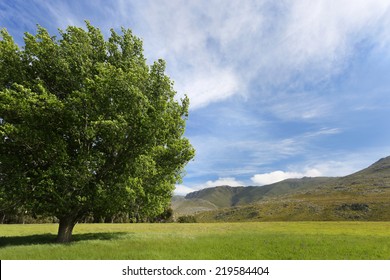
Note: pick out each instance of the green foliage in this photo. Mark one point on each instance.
(87, 126)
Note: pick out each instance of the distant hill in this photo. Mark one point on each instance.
(226, 196)
(183, 206)
(364, 195)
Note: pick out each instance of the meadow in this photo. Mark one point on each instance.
(209, 241)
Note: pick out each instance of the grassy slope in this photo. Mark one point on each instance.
(221, 196)
(183, 206)
(276, 240)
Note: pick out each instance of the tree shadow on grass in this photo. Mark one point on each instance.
(39, 239)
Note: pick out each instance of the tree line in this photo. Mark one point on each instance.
(20, 216)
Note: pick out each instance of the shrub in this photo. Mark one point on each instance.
(186, 219)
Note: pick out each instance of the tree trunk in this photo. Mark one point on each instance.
(65, 229)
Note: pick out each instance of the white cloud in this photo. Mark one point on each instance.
(227, 181)
(277, 176)
(183, 190)
(208, 85)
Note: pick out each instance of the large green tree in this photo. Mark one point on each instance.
(86, 126)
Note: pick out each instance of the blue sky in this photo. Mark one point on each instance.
(278, 89)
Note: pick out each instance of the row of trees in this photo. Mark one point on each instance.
(87, 127)
(20, 216)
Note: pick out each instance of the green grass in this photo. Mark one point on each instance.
(265, 240)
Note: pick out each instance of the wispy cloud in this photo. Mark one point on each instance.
(228, 45)
(316, 38)
(306, 106)
(215, 49)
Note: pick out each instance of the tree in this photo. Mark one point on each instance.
(86, 126)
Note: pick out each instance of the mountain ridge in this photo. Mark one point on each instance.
(332, 198)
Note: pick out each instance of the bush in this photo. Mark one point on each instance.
(354, 207)
(186, 219)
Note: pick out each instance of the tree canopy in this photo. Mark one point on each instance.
(86, 126)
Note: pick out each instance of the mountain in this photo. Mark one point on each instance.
(364, 195)
(226, 196)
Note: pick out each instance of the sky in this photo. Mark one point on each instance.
(278, 89)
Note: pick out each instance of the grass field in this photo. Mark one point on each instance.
(244, 241)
